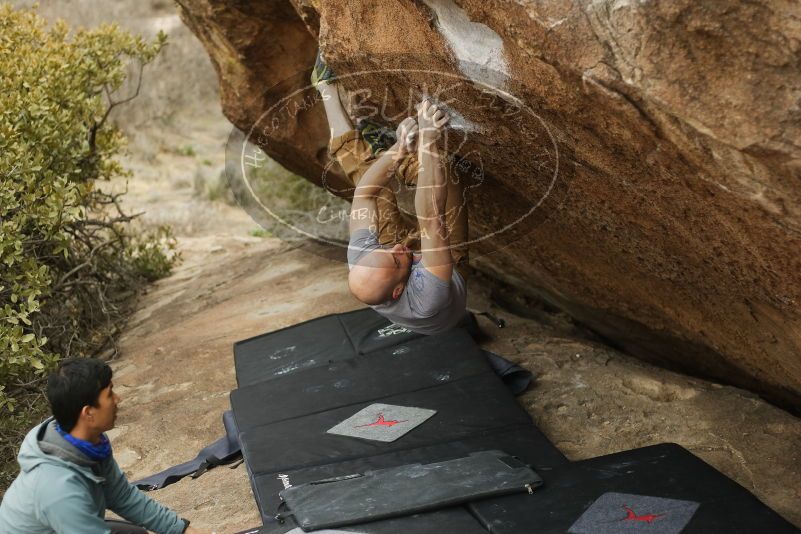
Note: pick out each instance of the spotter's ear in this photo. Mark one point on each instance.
(86, 413)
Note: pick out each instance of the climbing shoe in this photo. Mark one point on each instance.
(321, 73)
(379, 137)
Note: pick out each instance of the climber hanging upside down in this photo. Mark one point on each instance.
(410, 271)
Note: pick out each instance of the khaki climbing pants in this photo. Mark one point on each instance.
(394, 226)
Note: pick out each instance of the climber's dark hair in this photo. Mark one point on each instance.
(76, 383)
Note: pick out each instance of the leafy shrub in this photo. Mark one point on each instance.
(69, 264)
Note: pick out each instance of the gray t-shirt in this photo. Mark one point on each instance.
(428, 305)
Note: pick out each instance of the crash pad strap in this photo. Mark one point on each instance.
(225, 450)
(515, 377)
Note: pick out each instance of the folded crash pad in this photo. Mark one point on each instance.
(525, 442)
(406, 489)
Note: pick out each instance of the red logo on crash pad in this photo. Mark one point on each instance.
(382, 422)
(647, 518)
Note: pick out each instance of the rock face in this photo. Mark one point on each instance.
(642, 158)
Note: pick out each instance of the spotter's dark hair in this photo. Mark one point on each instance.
(76, 383)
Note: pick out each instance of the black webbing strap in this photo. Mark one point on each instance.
(515, 377)
(225, 450)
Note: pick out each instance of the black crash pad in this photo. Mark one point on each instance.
(298, 382)
(665, 471)
(275, 354)
(470, 406)
(317, 342)
(368, 331)
(417, 364)
(407, 489)
(523, 441)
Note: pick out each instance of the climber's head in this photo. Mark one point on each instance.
(381, 275)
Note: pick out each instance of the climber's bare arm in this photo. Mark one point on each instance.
(432, 193)
(363, 209)
(363, 213)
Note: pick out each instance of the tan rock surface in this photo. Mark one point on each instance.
(176, 369)
(674, 225)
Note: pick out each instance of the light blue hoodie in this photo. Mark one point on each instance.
(60, 490)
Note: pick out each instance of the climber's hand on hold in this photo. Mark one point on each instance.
(431, 121)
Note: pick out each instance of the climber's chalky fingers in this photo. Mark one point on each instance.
(431, 119)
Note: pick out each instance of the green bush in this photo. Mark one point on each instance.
(69, 263)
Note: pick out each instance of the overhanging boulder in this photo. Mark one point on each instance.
(660, 143)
